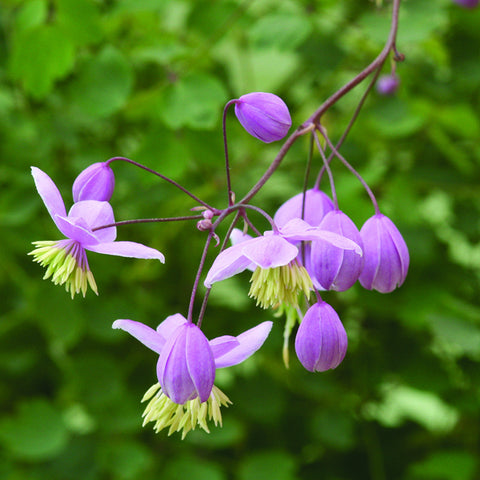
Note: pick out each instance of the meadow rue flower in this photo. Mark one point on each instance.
(278, 277)
(321, 341)
(332, 268)
(96, 182)
(317, 205)
(66, 260)
(387, 84)
(185, 394)
(386, 255)
(263, 115)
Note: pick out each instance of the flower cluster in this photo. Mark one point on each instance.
(312, 247)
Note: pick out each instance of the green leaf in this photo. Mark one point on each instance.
(103, 85)
(274, 464)
(41, 56)
(192, 468)
(80, 20)
(445, 465)
(126, 460)
(280, 30)
(193, 101)
(401, 403)
(36, 432)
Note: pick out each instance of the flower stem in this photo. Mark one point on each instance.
(227, 164)
(347, 164)
(163, 177)
(315, 117)
(148, 220)
(326, 165)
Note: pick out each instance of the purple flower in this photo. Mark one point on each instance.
(387, 84)
(96, 182)
(263, 115)
(278, 277)
(386, 255)
(187, 363)
(66, 260)
(467, 3)
(332, 268)
(317, 204)
(321, 341)
(186, 395)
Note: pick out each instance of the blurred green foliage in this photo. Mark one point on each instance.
(85, 80)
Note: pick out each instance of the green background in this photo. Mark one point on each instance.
(82, 81)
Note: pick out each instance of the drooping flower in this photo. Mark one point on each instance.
(317, 205)
(278, 277)
(321, 341)
(66, 260)
(96, 182)
(333, 268)
(386, 255)
(185, 395)
(388, 84)
(263, 115)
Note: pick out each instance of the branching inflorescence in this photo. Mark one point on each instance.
(312, 246)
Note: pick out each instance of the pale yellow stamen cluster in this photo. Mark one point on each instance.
(273, 286)
(175, 417)
(63, 266)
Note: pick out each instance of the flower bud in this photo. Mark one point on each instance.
(186, 367)
(331, 267)
(388, 84)
(317, 204)
(467, 3)
(96, 182)
(386, 255)
(263, 115)
(321, 341)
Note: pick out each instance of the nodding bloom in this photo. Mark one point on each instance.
(96, 182)
(278, 276)
(185, 394)
(386, 255)
(387, 84)
(332, 268)
(321, 341)
(263, 115)
(66, 260)
(317, 205)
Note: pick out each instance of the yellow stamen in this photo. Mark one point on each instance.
(66, 264)
(167, 414)
(273, 286)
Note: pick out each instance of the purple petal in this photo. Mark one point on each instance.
(170, 324)
(49, 193)
(227, 264)
(200, 362)
(222, 345)
(96, 214)
(297, 230)
(269, 251)
(143, 333)
(335, 268)
(321, 341)
(317, 205)
(126, 249)
(263, 115)
(76, 229)
(172, 371)
(186, 368)
(249, 342)
(386, 255)
(96, 182)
